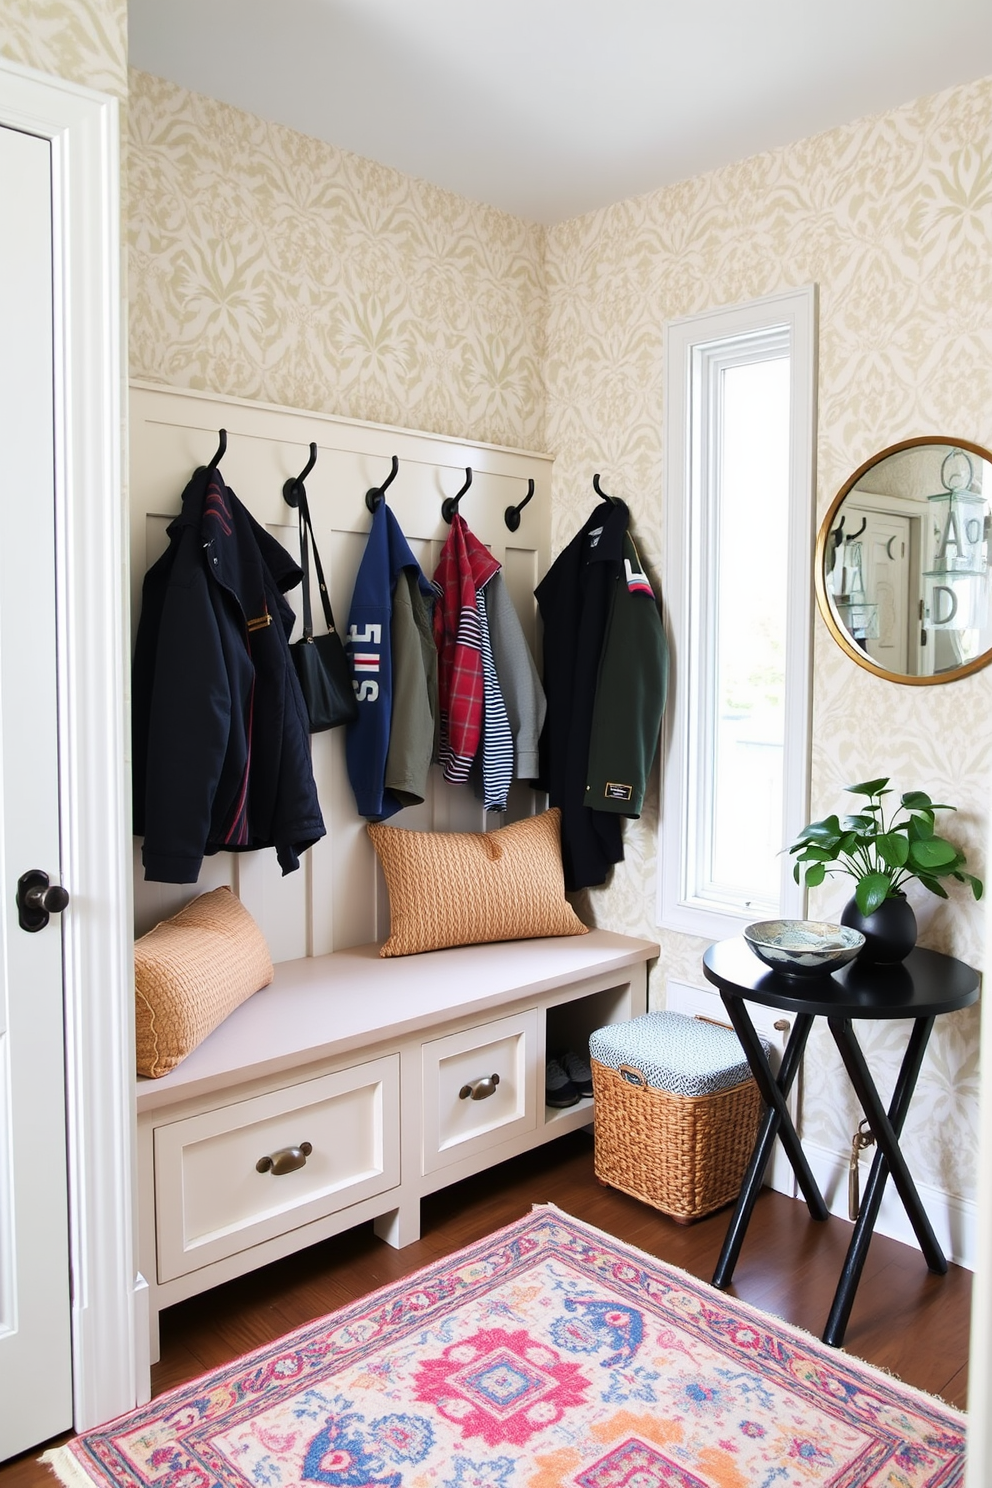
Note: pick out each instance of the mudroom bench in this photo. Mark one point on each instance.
(354, 1085)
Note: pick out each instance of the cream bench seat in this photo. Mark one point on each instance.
(354, 1085)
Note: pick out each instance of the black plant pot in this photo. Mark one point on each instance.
(889, 931)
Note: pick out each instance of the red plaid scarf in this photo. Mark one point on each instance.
(464, 567)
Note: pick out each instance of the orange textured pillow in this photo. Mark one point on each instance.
(467, 888)
(189, 973)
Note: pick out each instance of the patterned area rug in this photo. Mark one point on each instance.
(547, 1355)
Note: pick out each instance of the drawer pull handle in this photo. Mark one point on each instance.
(479, 1089)
(286, 1160)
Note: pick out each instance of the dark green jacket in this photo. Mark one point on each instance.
(631, 691)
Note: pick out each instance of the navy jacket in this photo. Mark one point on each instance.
(221, 742)
(369, 646)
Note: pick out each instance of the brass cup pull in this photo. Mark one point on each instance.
(286, 1160)
(479, 1089)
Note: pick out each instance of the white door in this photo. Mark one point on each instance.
(35, 1368)
(888, 581)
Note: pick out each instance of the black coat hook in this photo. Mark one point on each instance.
(449, 506)
(512, 514)
(600, 492)
(292, 488)
(377, 494)
(221, 447)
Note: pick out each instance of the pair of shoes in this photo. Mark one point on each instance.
(567, 1080)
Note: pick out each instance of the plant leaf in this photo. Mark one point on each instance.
(821, 831)
(815, 874)
(914, 800)
(814, 854)
(870, 788)
(872, 890)
(859, 823)
(893, 848)
(932, 853)
(933, 885)
(977, 888)
(919, 828)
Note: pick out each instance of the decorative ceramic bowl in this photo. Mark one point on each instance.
(803, 947)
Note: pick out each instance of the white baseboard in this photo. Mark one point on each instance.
(142, 1343)
(953, 1219)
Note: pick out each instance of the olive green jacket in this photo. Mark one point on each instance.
(631, 692)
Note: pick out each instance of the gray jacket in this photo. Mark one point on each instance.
(518, 679)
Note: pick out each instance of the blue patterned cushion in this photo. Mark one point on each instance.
(674, 1052)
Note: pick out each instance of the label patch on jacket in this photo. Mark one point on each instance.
(637, 580)
(615, 792)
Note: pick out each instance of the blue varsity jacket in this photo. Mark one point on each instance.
(369, 649)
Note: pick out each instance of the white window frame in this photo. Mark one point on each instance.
(693, 352)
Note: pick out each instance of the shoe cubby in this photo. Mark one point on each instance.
(568, 1026)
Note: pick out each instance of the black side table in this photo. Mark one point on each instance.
(922, 987)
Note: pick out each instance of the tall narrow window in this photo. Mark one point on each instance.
(738, 521)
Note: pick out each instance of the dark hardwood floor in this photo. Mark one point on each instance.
(911, 1323)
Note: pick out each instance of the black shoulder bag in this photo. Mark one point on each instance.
(320, 661)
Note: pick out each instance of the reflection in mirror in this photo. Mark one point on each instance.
(902, 564)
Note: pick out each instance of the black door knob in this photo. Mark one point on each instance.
(38, 899)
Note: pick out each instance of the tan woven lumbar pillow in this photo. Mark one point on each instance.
(466, 888)
(189, 973)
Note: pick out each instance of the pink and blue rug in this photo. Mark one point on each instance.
(546, 1355)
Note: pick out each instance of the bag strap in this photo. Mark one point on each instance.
(306, 528)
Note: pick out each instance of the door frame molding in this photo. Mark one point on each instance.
(110, 1371)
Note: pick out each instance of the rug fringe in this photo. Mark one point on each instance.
(67, 1467)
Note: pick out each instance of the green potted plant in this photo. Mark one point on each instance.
(881, 854)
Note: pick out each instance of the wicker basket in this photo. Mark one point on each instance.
(686, 1155)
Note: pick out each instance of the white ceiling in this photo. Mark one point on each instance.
(549, 108)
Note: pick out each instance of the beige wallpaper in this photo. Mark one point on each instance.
(892, 218)
(84, 41)
(268, 265)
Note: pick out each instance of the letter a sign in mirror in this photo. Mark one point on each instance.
(902, 562)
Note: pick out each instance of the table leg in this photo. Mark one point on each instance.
(886, 1129)
(775, 1122)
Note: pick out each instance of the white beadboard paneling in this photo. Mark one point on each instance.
(338, 898)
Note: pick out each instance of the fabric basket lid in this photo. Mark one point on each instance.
(674, 1052)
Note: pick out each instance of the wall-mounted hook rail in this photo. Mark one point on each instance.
(292, 488)
(221, 447)
(512, 514)
(601, 493)
(449, 506)
(377, 494)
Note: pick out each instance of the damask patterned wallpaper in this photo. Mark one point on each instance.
(268, 265)
(84, 41)
(892, 218)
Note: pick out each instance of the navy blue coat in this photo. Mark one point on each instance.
(221, 741)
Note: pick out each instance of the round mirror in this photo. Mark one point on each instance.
(902, 562)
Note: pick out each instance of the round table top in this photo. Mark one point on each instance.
(923, 986)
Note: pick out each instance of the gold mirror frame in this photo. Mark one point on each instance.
(836, 629)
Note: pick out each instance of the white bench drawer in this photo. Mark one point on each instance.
(455, 1125)
(212, 1201)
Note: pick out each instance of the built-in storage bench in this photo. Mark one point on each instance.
(350, 1087)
